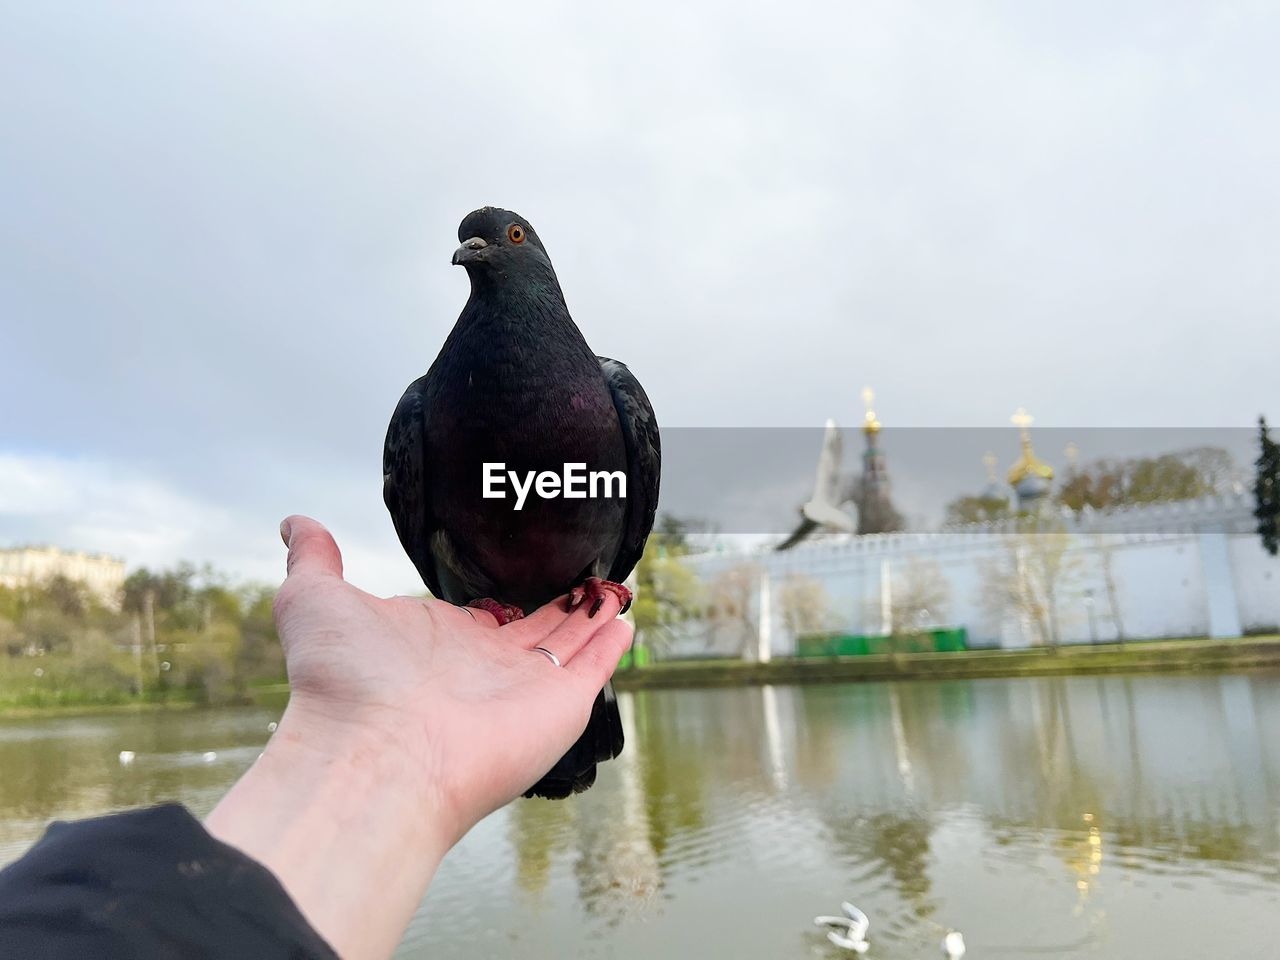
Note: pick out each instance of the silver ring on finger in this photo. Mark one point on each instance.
(549, 655)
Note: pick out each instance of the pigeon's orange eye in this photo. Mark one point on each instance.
(515, 233)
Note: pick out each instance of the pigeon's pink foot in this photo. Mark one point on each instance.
(504, 613)
(595, 589)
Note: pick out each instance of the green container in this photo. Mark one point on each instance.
(637, 656)
(860, 645)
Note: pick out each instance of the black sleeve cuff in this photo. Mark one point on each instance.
(146, 885)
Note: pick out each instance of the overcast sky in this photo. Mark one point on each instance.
(225, 231)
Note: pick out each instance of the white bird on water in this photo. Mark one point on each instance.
(855, 924)
(209, 756)
(848, 943)
(126, 757)
(850, 933)
(858, 928)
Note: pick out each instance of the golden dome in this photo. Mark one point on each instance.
(1028, 464)
(869, 422)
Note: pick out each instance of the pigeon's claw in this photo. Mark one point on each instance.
(595, 589)
(504, 613)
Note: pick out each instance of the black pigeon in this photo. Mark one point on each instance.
(515, 383)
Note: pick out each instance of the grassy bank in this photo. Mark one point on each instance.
(9, 711)
(62, 684)
(275, 697)
(1166, 656)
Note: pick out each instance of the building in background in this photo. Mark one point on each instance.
(1038, 574)
(876, 513)
(1030, 477)
(833, 490)
(101, 575)
(1188, 569)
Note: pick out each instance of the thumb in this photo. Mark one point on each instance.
(312, 549)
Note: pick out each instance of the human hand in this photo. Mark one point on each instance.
(409, 720)
(477, 711)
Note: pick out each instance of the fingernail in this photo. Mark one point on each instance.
(284, 531)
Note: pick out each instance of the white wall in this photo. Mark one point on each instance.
(1257, 583)
(1166, 584)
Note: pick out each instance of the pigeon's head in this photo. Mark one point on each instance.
(499, 240)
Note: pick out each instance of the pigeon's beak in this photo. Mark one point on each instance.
(470, 251)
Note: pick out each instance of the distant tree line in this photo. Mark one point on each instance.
(1127, 481)
(1112, 482)
(183, 633)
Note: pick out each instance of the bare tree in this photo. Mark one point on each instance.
(1037, 571)
(920, 597)
(731, 608)
(805, 606)
(1106, 546)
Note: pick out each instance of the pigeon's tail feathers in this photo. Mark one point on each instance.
(601, 741)
(609, 737)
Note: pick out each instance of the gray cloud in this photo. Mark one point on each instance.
(226, 235)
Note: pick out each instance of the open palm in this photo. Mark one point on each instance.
(480, 710)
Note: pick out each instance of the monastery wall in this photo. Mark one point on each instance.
(1169, 570)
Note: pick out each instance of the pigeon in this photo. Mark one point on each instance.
(516, 385)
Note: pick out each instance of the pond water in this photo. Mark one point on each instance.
(1118, 817)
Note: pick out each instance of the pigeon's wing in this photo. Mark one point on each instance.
(806, 527)
(644, 462)
(404, 485)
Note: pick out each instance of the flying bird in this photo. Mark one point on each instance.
(516, 384)
(829, 491)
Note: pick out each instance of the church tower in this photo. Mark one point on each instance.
(1030, 477)
(875, 507)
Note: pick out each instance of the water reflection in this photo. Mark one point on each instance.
(63, 768)
(1079, 816)
(1099, 817)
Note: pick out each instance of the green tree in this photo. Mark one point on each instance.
(174, 595)
(11, 607)
(69, 598)
(11, 603)
(1266, 489)
(1114, 482)
(666, 589)
(966, 510)
(259, 656)
(212, 639)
